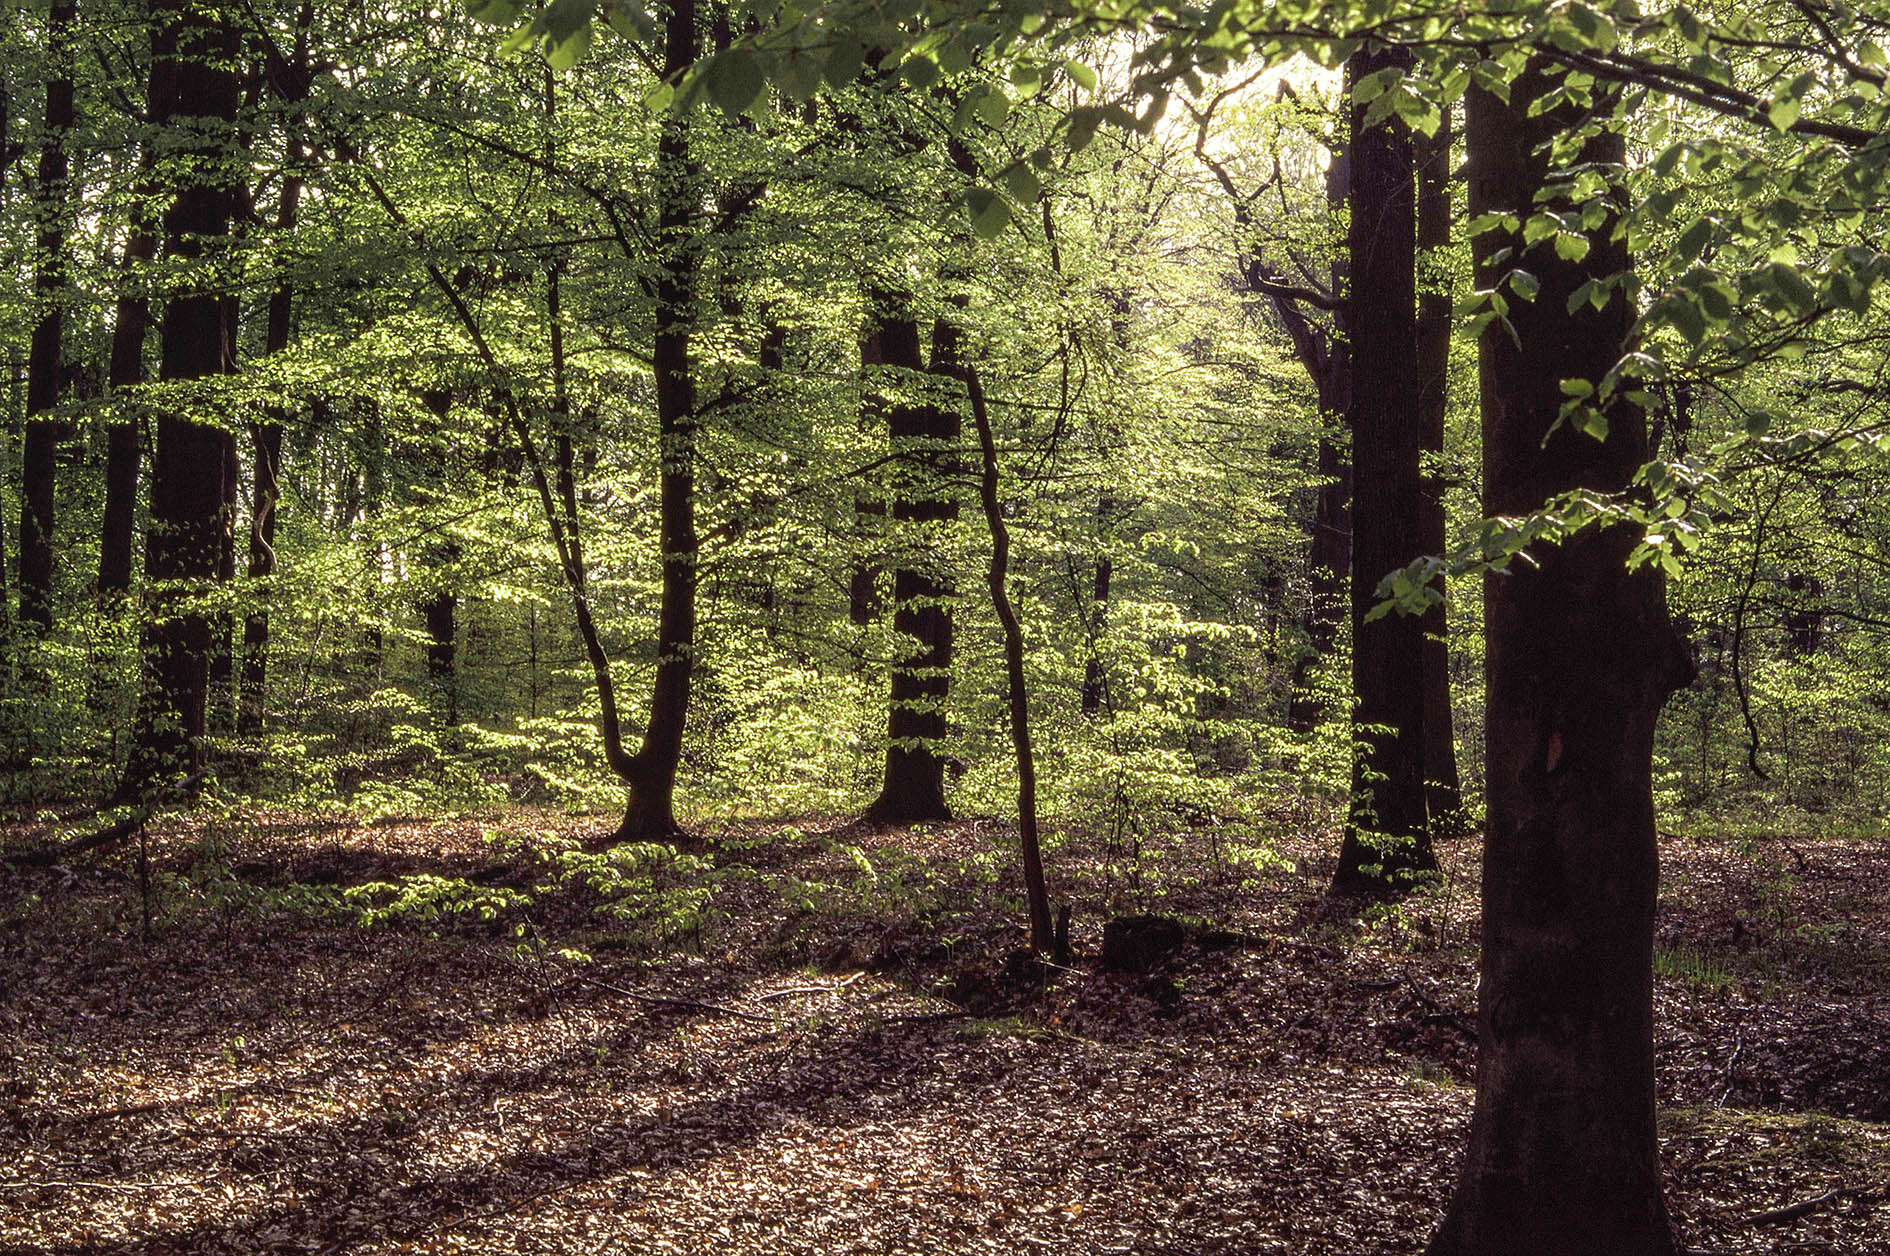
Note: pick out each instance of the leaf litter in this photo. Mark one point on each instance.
(837, 1047)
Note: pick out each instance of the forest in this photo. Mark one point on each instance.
(914, 626)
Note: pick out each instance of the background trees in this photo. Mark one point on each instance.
(555, 399)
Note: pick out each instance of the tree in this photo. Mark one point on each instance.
(924, 436)
(1387, 837)
(46, 362)
(1581, 657)
(193, 92)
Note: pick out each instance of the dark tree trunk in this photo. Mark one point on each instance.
(442, 616)
(1581, 656)
(266, 436)
(1036, 892)
(1443, 793)
(1328, 359)
(1388, 836)
(1095, 683)
(45, 363)
(869, 511)
(651, 813)
(924, 445)
(130, 325)
(193, 91)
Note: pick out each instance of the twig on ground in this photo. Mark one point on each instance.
(664, 1000)
(1791, 1212)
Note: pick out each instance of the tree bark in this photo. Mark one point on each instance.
(194, 91)
(1442, 789)
(131, 324)
(1036, 893)
(1581, 656)
(651, 812)
(924, 443)
(1387, 838)
(45, 364)
(869, 511)
(266, 436)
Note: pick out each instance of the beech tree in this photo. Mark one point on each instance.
(1581, 657)
(194, 92)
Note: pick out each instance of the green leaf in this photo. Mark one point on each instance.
(1022, 183)
(1082, 75)
(1571, 247)
(565, 53)
(844, 60)
(498, 12)
(1694, 239)
(993, 107)
(989, 214)
(1577, 388)
(734, 80)
(1524, 284)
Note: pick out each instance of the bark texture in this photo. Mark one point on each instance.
(46, 362)
(1442, 789)
(651, 812)
(1388, 837)
(194, 90)
(1562, 1158)
(924, 442)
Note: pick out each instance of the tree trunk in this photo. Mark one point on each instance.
(266, 436)
(1387, 839)
(869, 511)
(924, 445)
(1036, 893)
(1328, 359)
(1443, 792)
(131, 324)
(194, 91)
(45, 364)
(651, 812)
(1581, 656)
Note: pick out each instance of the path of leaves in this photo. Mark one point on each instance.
(862, 1066)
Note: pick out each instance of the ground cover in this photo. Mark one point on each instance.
(261, 1032)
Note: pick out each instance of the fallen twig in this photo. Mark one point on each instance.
(1791, 1212)
(794, 990)
(666, 1001)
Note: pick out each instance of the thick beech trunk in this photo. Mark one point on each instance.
(1581, 656)
(924, 444)
(45, 363)
(651, 812)
(194, 92)
(1443, 793)
(1388, 837)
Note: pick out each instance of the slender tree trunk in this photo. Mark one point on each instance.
(266, 436)
(1328, 359)
(131, 325)
(1581, 656)
(193, 91)
(1443, 793)
(924, 443)
(651, 813)
(1095, 683)
(869, 511)
(1388, 836)
(1036, 894)
(46, 365)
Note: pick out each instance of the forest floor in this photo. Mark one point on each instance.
(816, 1039)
